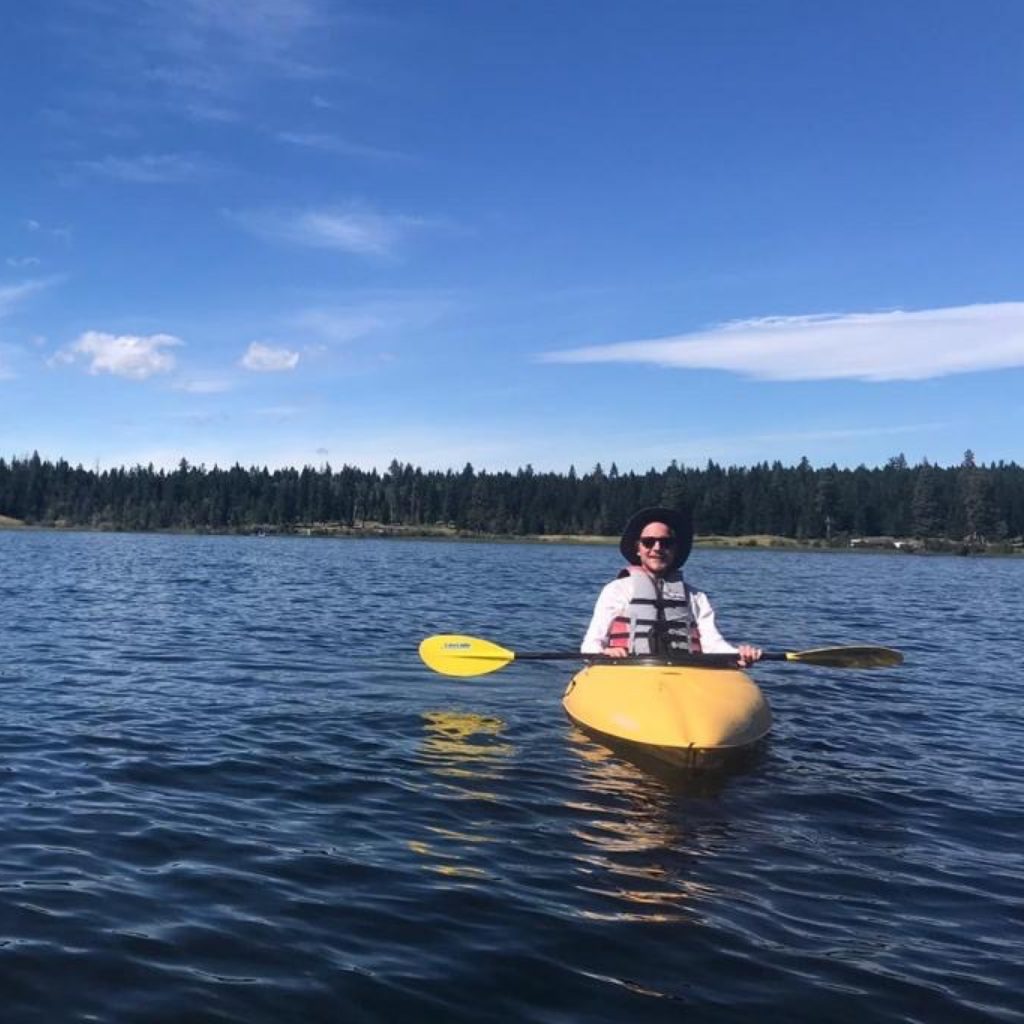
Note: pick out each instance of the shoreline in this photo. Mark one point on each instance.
(370, 530)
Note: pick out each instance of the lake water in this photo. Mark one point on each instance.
(231, 792)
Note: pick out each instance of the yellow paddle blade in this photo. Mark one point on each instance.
(455, 655)
(848, 657)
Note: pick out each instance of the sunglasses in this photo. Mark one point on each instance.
(665, 542)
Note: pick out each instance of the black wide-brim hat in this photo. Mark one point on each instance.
(679, 521)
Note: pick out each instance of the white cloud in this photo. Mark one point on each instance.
(150, 168)
(124, 355)
(888, 346)
(268, 358)
(357, 231)
(20, 262)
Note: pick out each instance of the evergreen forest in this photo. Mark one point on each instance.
(971, 502)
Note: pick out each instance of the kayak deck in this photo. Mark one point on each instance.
(683, 715)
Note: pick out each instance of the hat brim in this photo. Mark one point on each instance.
(679, 521)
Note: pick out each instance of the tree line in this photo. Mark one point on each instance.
(969, 501)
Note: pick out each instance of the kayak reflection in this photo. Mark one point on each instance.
(621, 765)
(640, 848)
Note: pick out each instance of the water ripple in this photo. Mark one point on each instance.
(231, 793)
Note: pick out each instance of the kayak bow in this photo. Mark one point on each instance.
(679, 714)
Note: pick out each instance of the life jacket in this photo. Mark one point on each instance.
(658, 619)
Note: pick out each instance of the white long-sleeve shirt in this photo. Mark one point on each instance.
(613, 601)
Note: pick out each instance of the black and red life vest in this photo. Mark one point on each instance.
(658, 618)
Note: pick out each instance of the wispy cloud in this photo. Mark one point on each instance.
(383, 315)
(150, 168)
(124, 355)
(845, 445)
(205, 59)
(208, 385)
(280, 413)
(840, 433)
(423, 444)
(210, 48)
(62, 234)
(264, 358)
(358, 231)
(12, 295)
(6, 372)
(21, 262)
(340, 147)
(887, 346)
(258, 31)
(339, 326)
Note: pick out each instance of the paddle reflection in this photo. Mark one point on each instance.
(463, 749)
(464, 744)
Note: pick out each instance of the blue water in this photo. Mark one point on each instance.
(231, 792)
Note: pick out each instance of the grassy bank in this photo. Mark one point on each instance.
(933, 545)
(754, 540)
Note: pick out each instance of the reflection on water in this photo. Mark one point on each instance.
(462, 748)
(444, 855)
(637, 844)
(625, 767)
(463, 744)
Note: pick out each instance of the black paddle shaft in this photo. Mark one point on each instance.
(694, 660)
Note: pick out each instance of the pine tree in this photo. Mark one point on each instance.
(924, 510)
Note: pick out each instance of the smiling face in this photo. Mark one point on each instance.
(656, 548)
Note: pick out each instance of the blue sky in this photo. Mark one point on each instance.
(289, 232)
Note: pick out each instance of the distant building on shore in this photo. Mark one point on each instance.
(887, 543)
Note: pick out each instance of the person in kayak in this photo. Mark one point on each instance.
(649, 609)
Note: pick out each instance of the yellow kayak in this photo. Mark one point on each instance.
(680, 714)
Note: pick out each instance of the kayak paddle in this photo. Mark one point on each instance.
(455, 655)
